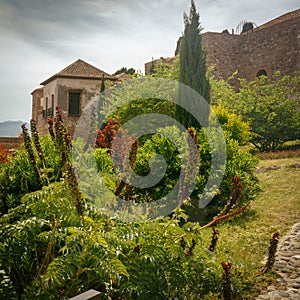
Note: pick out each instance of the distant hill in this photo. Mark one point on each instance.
(11, 128)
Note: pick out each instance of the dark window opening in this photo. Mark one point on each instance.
(261, 73)
(46, 108)
(52, 105)
(74, 103)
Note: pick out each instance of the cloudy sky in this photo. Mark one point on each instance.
(39, 37)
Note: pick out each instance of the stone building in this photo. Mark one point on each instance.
(273, 46)
(71, 89)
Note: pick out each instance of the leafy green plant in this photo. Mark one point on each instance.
(270, 105)
(233, 124)
(27, 172)
(54, 244)
(169, 70)
(48, 253)
(240, 164)
(31, 235)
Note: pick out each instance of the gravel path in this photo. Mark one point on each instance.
(287, 266)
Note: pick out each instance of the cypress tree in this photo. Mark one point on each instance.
(102, 88)
(192, 68)
(100, 102)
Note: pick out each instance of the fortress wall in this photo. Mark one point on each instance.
(273, 48)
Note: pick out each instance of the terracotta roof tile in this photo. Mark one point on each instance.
(79, 69)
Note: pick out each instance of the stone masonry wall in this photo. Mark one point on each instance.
(274, 46)
(60, 88)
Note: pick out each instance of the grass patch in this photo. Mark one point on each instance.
(244, 241)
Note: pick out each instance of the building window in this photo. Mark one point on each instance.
(74, 103)
(261, 73)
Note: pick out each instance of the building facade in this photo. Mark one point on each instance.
(71, 89)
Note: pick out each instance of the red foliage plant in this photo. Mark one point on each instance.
(4, 153)
(106, 135)
(120, 149)
(105, 139)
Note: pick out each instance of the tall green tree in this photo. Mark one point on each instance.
(192, 69)
(100, 102)
(102, 88)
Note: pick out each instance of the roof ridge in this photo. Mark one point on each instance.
(79, 69)
(77, 64)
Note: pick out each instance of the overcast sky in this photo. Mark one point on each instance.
(39, 38)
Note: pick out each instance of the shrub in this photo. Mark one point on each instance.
(239, 164)
(48, 253)
(48, 250)
(18, 176)
(270, 105)
(106, 135)
(233, 124)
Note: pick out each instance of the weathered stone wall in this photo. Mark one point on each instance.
(273, 46)
(37, 103)
(223, 52)
(37, 109)
(270, 48)
(60, 88)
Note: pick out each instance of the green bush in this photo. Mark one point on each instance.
(18, 176)
(272, 107)
(233, 124)
(239, 164)
(269, 104)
